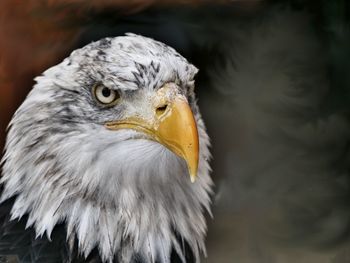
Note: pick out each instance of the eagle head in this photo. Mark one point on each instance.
(109, 143)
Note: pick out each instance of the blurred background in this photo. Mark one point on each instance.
(274, 91)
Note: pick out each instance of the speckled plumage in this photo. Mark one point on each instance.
(117, 191)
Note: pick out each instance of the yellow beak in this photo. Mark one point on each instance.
(173, 126)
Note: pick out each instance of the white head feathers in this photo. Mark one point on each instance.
(115, 191)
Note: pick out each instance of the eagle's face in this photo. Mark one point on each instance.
(107, 141)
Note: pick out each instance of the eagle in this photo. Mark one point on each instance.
(109, 151)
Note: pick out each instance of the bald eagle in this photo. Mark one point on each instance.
(107, 159)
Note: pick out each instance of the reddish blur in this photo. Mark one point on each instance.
(32, 37)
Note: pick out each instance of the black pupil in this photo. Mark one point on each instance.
(106, 92)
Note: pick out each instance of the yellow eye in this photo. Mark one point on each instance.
(105, 95)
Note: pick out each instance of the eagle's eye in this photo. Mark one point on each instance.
(104, 95)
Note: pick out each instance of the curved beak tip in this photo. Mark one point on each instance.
(193, 177)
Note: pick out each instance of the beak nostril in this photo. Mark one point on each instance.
(160, 110)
